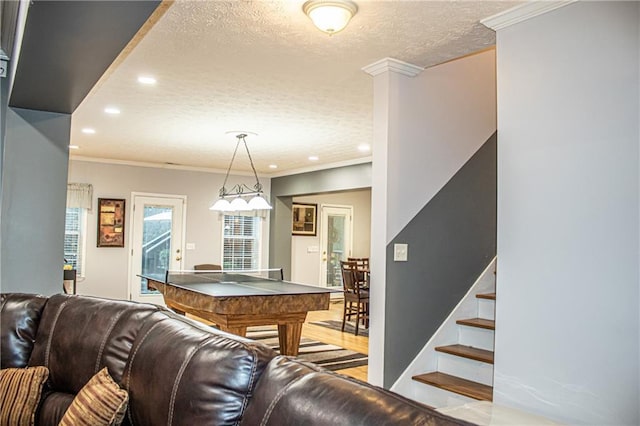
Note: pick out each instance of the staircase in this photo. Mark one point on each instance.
(466, 367)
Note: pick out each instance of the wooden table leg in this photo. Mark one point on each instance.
(238, 331)
(289, 337)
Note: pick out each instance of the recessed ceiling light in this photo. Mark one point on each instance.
(313, 158)
(364, 147)
(145, 79)
(74, 147)
(112, 110)
(88, 131)
(273, 166)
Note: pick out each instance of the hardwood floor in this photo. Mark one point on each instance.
(336, 337)
(333, 337)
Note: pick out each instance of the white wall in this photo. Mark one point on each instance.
(442, 117)
(425, 129)
(567, 331)
(106, 268)
(305, 266)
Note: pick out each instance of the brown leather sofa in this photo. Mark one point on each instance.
(179, 372)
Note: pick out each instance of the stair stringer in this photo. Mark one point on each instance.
(446, 334)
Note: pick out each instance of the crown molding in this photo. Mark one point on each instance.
(220, 171)
(522, 13)
(392, 65)
(318, 167)
(157, 165)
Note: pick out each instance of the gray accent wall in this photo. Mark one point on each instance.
(66, 48)
(328, 180)
(283, 189)
(451, 241)
(4, 104)
(33, 201)
(68, 45)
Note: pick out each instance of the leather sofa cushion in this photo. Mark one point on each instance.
(19, 319)
(292, 392)
(80, 335)
(183, 373)
(53, 407)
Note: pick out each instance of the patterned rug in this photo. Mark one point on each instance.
(331, 357)
(349, 327)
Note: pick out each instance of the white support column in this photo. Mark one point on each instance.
(387, 73)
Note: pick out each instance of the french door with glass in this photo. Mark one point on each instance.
(335, 242)
(156, 241)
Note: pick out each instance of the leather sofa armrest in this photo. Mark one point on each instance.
(19, 321)
(291, 392)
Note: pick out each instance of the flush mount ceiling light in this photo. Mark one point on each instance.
(330, 16)
(239, 192)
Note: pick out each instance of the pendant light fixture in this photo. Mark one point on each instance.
(330, 16)
(240, 192)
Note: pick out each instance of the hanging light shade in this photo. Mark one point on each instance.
(330, 16)
(221, 205)
(238, 192)
(259, 203)
(239, 205)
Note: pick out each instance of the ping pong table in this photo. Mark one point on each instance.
(237, 300)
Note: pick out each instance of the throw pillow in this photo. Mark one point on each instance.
(101, 402)
(20, 390)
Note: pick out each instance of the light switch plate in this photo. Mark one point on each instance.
(400, 252)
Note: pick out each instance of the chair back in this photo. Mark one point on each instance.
(361, 262)
(349, 277)
(362, 267)
(207, 267)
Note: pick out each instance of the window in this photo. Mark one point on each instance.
(75, 237)
(241, 245)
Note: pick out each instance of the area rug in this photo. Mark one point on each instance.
(337, 325)
(331, 357)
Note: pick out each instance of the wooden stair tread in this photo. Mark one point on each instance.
(491, 296)
(458, 385)
(478, 322)
(469, 352)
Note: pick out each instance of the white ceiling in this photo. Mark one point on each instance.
(262, 66)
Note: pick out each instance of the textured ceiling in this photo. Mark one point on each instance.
(262, 66)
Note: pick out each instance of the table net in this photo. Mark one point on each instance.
(216, 276)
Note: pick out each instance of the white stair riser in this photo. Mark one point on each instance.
(448, 333)
(487, 309)
(476, 337)
(436, 397)
(465, 368)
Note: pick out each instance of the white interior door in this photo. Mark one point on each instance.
(156, 241)
(336, 228)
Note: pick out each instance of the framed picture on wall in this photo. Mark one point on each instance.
(110, 222)
(304, 219)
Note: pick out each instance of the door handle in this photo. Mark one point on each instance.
(178, 258)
